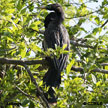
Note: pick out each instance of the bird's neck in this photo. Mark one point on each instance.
(60, 16)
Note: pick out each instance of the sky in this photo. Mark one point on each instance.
(89, 26)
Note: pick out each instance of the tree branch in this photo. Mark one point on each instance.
(37, 88)
(40, 31)
(104, 24)
(24, 93)
(100, 71)
(7, 49)
(21, 62)
(80, 69)
(44, 62)
(104, 64)
(80, 44)
(83, 15)
(75, 43)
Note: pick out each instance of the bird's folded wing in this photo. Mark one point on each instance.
(52, 38)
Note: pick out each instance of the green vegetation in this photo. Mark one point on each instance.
(85, 79)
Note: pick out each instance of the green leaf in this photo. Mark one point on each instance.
(34, 25)
(25, 103)
(69, 66)
(93, 78)
(98, 83)
(97, 20)
(31, 105)
(23, 53)
(19, 5)
(22, 50)
(90, 36)
(10, 39)
(23, 10)
(34, 47)
(64, 46)
(97, 30)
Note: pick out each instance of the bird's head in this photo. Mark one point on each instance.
(58, 15)
(55, 7)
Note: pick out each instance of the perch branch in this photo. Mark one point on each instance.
(44, 62)
(21, 62)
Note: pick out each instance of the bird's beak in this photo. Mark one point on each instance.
(42, 7)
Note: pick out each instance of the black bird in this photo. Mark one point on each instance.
(55, 34)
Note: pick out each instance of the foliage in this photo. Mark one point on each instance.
(21, 26)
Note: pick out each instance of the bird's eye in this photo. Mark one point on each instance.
(48, 6)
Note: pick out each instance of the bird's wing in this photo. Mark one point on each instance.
(59, 37)
(64, 39)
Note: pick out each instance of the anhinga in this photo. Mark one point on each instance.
(55, 34)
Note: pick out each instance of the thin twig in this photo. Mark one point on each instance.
(7, 49)
(100, 71)
(84, 45)
(80, 44)
(80, 69)
(40, 31)
(83, 15)
(104, 64)
(24, 93)
(104, 24)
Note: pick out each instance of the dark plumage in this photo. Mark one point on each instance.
(50, 17)
(55, 33)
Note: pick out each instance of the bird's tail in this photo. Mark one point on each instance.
(50, 95)
(52, 79)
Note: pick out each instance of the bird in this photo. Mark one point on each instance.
(55, 35)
